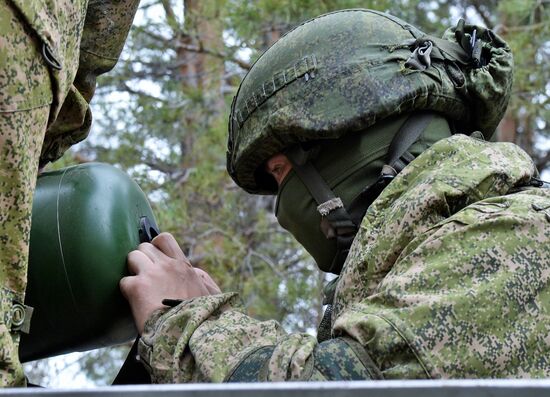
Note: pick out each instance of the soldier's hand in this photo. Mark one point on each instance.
(159, 270)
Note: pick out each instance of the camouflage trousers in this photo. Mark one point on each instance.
(25, 98)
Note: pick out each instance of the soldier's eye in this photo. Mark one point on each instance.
(276, 170)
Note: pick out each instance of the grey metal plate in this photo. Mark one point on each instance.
(447, 388)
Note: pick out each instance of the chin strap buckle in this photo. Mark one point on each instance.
(328, 206)
(387, 173)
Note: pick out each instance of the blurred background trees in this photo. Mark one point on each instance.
(161, 116)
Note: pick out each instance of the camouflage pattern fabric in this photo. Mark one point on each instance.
(343, 72)
(85, 37)
(454, 265)
(448, 277)
(334, 359)
(43, 111)
(234, 347)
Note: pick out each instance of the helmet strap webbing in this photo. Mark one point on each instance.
(336, 221)
(398, 157)
(408, 134)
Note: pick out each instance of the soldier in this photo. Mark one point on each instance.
(440, 240)
(50, 55)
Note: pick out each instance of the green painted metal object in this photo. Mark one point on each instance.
(85, 221)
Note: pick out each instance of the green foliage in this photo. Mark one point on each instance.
(98, 367)
(527, 30)
(102, 365)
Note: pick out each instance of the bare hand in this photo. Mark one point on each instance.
(159, 270)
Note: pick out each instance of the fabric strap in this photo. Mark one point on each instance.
(132, 371)
(336, 221)
(407, 135)
(397, 158)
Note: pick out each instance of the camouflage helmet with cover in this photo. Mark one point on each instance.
(350, 98)
(345, 71)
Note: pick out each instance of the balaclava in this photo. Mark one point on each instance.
(348, 166)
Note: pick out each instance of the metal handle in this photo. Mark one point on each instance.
(147, 230)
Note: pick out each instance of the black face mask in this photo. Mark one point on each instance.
(348, 166)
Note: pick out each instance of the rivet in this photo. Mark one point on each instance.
(17, 315)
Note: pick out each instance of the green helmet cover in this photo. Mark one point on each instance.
(343, 72)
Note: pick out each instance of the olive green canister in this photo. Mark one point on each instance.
(85, 221)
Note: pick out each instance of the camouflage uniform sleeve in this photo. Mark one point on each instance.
(209, 339)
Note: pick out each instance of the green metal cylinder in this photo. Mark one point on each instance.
(85, 221)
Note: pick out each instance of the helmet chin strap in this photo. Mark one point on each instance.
(340, 223)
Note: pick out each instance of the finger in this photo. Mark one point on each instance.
(137, 261)
(208, 282)
(169, 246)
(212, 287)
(152, 252)
(126, 285)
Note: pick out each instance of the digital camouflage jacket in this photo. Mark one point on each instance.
(51, 52)
(80, 40)
(448, 277)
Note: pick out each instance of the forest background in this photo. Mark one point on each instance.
(161, 116)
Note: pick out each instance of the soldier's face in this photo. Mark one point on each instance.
(278, 166)
(296, 211)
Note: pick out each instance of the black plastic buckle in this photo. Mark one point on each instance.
(147, 230)
(536, 182)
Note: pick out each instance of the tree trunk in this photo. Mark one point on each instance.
(507, 131)
(200, 72)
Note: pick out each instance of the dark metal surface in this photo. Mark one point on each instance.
(450, 388)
